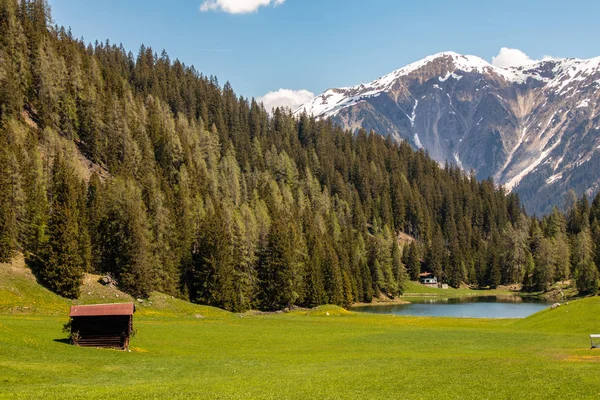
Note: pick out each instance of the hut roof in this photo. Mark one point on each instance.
(102, 310)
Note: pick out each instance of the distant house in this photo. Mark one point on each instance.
(428, 279)
(102, 325)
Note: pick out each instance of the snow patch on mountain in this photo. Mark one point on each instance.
(517, 178)
(554, 178)
(413, 115)
(584, 103)
(457, 159)
(450, 75)
(418, 141)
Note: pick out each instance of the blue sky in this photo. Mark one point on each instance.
(317, 44)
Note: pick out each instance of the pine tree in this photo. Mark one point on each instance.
(348, 298)
(587, 279)
(94, 213)
(543, 273)
(333, 279)
(34, 211)
(412, 261)
(455, 269)
(8, 217)
(214, 262)
(528, 274)
(124, 239)
(515, 250)
(582, 249)
(314, 288)
(596, 236)
(61, 267)
(361, 266)
(435, 255)
(398, 269)
(279, 277)
(245, 242)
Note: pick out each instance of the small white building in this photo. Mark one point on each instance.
(428, 279)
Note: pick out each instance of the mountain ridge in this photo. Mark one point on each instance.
(524, 126)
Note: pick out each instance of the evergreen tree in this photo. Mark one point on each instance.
(398, 268)
(279, 277)
(528, 273)
(8, 216)
(543, 273)
(314, 289)
(436, 254)
(61, 267)
(455, 269)
(124, 240)
(596, 236)
(214, 262)
(587, 279)
(412, 261)
(582, 249)
(515, 252)
(333, 278)
(33, 216)
(361, 266)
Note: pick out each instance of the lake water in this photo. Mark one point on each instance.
(463, 307)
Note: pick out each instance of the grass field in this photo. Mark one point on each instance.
(187, 351)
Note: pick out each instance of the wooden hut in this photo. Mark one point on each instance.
(102, 325)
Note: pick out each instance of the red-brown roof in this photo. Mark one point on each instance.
(425, 274)
(102, 309)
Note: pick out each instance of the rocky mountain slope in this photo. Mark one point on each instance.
(534, 129)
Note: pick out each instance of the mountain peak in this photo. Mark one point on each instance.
(459, 61)
(445, 63)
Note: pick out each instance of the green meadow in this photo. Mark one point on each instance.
(185, 351)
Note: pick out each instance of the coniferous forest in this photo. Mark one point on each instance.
(141, 167)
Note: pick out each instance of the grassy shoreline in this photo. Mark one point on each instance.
(415, 289)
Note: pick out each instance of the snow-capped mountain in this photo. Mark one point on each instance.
(535, 129)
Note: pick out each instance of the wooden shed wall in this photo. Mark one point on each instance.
(102, 331)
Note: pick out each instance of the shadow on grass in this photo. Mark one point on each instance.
(63, 341)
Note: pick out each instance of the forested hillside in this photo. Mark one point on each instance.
(143, 168)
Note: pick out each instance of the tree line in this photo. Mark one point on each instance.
(145, 169)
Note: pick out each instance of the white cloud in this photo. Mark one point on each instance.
(511, 58)
(514, 58)
(237, 6)
(285, 98)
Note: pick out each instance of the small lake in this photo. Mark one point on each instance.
(461, 307)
